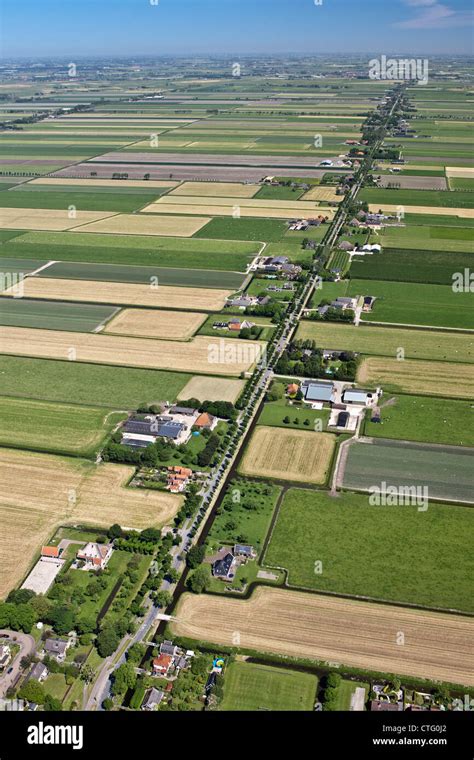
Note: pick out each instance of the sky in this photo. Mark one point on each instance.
(46, 28)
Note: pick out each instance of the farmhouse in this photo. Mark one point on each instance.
(56, 648)
(153, 697)
(162, 664)
(95, 556)
(206, 421)
(224, 568)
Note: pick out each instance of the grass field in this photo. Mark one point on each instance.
(123, 293)
(274, 412)
(268, 230)
(211, 389)
(95, 384)
(350, 538)
(152, 323)
(20, 312)
(288, 455)
(446, 472)
(136, 250)
(419, 377)
(415, 303)
(144, 224)
(41, 491)
(463, 212)
(83, 200)
(428, 237)
(436, 198)
(386, 341)
(426, 419)
(248, 686)
(58, 428)
(358, 634)
(216, 357)
(408, 265)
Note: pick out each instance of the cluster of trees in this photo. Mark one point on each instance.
(331, 685)
(275, 309)
(190, 506)
(34, 691)
(301, 358)
(332, 314)
(144, 542)
(204, 458)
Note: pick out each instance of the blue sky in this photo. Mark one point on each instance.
(36, 28)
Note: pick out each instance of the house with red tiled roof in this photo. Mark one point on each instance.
(162, 664)
(178, 478)
(205, 421)
(95, 556)
(50, 551)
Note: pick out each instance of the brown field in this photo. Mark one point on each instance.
(265, 212)
(212, 389)
(247, 203)
(456, 171)
(128, 294)
(151, 323)
(321, 194)
(464, 213)
(46, 219)
(145, 184)
(301, 455)
(216, 189)
(202, 354)
(38, 492)
(324, 628)
(138, 224)
(417, 376)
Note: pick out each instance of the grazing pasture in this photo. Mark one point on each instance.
(127, 294)
(288, 455)
(432, 378)
(95, 384)
(216, 357)
(446, 471)
(323, 628)
(248, 686)
(39, 492)
(152, 323)
(387, 341)
(58, 428)
(347, 532)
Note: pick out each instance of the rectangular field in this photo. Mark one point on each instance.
(424, 418)
(408, 265)
(35, 497)
(215, 189)
(386, 341)
(288, 455)
(211, 389)
(348, 533)
(55, 315)
(203, 355)
(248, 686)
(420, 377)
(138, 224)
(322, 628)
(445, 471)
(126, 294)
(46, 219)
(58, 428)
(152, 323)
(96, 384)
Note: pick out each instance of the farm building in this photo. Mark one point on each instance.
(50, 551)
(342, 419)
(244, 550)
(318, 392)
(356, 396)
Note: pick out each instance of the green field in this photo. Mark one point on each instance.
(137, 250)
(279, 192)
(395, 553)
(410, 265)
(252, 687)
(83, 201)
(274, 412)
(268, 230)
(445, 472)
(426, 419)
(415, 303)
(428, 237)
(92, 384)
(53, 315)
(53, 427)
(386, 341)
(441, 198)
(461, 183)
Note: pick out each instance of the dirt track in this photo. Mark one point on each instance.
(357, 634)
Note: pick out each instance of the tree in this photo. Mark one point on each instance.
(107, 642)
(108, 703)
(286, 420)
(87, 674)
(198, 581)
(62, 619)
(33, 691)
(124, 678)
(51, 704)
(136, 653)
(163, 598)
(195, 556)
(20, 596)
(115, 531)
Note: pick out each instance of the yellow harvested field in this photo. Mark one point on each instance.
(84, 182)
(416, 376)
(236, 209)
(300, 455)
(324, 628)
(458, 171)
(38, 492)
(202, 354)
(216, 189)
(464, 213)
(46, 218)
(322, 194)
(295, 206)
(123, 293)
(151, 323)
(212, 389)
(138, 224)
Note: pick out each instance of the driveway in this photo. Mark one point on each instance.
(27, 646)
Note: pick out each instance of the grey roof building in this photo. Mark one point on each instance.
(152, 699)
(321, 392)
